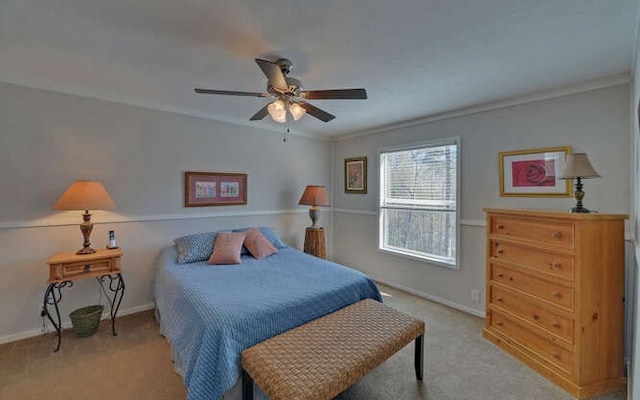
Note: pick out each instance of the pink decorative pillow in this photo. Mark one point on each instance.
(258, 245)
(226, 248)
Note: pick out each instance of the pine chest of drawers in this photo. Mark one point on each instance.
(555, 295)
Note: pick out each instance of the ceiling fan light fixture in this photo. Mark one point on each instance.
(296, 111)
(278, 111)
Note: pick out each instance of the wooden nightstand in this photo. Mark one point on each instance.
(314, 242)
(66, 267)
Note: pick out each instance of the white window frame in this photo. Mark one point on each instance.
(407, 253)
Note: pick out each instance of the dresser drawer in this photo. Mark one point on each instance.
(522, 307)
(543, 348)
(552, 233)
(64, 271)
(86, 267)
(541, 288)
(553, 263)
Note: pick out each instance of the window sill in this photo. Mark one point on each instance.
(426, 260)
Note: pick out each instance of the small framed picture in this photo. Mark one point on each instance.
(534, 172)
(355, 175)
(203, 189)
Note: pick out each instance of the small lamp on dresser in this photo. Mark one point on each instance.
(85, 195)
(314, 196)
(578, 166)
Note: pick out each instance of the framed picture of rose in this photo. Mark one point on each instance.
(534, 172)
(355, 175)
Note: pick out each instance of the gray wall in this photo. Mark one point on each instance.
(49, 139)
(595, 121)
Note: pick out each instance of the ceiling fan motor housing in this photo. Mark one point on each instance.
(293, 88)
(285, 66)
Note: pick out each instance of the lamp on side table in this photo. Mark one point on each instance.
(85, 195)
(314, 196)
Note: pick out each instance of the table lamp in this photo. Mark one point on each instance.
(314, 196)
(85, 195)
(578, 166)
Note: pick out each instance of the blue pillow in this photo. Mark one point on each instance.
(195, 247)
(269, 233)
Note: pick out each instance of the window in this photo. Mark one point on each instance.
(419, 201)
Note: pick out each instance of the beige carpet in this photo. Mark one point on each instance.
(459, 364)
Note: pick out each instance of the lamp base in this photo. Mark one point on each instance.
(579, 195)
(313, 214)
(86, 227)
(86, 250)
(579, 210)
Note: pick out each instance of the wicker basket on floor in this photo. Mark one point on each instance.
(86, 320)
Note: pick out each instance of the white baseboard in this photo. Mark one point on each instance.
(435, 299)
(37, 332)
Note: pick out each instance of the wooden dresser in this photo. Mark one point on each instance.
(555, 295)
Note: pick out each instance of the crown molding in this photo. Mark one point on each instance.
(154, 106)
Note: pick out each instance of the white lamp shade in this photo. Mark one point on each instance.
(578, 166)
(296, 111)
(278, 111)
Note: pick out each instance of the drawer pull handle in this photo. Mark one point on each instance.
(499, 274)
(556, 235)
(555, 264)
(556, 294)
(500, 251)
(500, 226)
(556, 356)
(500, 323)
(536, 317)
(556, 324)
(499, 300)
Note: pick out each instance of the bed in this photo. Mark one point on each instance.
(210, 313)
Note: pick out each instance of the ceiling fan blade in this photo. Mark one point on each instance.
(260, 114)
(316, 112)
(274, 74)
(336, 94)
(230, 93)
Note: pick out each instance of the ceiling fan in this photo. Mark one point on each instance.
(288, 94)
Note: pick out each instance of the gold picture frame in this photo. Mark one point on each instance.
(534, 172)
(355, 175)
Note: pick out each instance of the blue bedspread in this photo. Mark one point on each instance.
(210, 313)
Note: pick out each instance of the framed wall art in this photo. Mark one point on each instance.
(203, 189)
(355, 175)
(534, 172)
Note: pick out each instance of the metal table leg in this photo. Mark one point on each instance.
(52, 297)
(116, 285)
(419, 357)
(247, 386)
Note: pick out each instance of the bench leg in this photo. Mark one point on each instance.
(419, 357)
(247, 386)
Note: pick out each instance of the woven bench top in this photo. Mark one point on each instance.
(324, 357)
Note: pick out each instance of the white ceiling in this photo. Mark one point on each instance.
(416, 58)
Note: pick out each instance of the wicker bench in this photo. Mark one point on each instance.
(324, 357)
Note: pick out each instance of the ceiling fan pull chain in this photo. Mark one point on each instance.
(285, 138)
